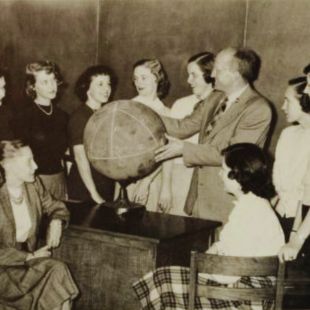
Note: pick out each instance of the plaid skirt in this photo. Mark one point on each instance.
(168, 288)
(39, 284)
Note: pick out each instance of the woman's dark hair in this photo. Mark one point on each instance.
(33, 68)
(83, 82)
(307, 69)
(250, 168)
(299, 85)
(158, 70)
(205, 62)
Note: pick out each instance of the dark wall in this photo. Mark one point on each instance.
(61, 31)
(169, 30)
(279, 31)
(79, 33)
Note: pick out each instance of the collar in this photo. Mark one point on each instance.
(232, 97)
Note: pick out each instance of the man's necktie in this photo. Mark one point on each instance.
(216, 116)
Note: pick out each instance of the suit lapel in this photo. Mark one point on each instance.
(211, 103)
(233, 112)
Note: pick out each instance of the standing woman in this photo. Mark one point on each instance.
(43, 125)
(199, 68)
(93, 88)
(152, 85)
(29, 278)
(291, 173)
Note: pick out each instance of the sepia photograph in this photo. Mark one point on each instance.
(154, 154)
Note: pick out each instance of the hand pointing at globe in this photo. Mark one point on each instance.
(174, 148)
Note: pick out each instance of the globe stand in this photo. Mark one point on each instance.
(122, 206)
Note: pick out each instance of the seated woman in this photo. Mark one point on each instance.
(94, 88)
(29, 279)
(291, 173)
(43, 125)
(199, 68)
(253, 229)
(152, 85)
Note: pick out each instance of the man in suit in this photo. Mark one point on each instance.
(233, 113)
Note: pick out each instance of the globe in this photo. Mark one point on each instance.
(120, 140)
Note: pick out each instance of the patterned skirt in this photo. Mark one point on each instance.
(39, 284)
(168, 288)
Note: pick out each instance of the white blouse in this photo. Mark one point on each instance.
(291, 172)
(22, 220)
(156, 105)
(253, 229)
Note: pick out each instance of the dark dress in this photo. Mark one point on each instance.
(6, 123)
(45, 130)
(76, 188)
(37, 284)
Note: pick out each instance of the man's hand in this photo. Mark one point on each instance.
(290, 250)
(174, 148)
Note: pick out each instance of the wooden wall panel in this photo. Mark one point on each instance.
(279, 31)
(169, 30)
(62, 31)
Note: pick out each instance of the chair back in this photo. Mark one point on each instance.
(236, 266)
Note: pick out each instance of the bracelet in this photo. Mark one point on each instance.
(294, 230)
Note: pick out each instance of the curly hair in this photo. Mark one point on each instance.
(250, 168)
(205, 62)
(33, 68)
(85, 79)
(159, 72)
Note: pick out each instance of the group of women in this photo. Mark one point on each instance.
(46, 132)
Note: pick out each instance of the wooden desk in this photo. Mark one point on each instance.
(106, 255)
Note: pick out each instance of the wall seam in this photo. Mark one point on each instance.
(245, 31)
(97, 30)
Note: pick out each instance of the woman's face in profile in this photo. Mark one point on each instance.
(45, 85)
(100, 88)
(230, 185)
(2, 88)
(145, 81)
(196, 80)
(22, 165)
(291, 105)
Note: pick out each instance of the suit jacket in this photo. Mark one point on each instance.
(247, 120)
(39, 202)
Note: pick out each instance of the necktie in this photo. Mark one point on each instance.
(216, 116)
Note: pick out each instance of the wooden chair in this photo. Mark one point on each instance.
(236, 266)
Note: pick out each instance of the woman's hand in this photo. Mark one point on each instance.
(54, 233)
(42, 252)
(174, 148)
(165, 201)
(290, 250)
(97, 198)
(142, 191)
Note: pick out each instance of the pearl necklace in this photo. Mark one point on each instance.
(45, 112)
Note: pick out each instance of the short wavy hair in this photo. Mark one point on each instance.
(85, 79)
(250, 168)
(299, 85)
(156, 68)
(205, 62)
(33, 68)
